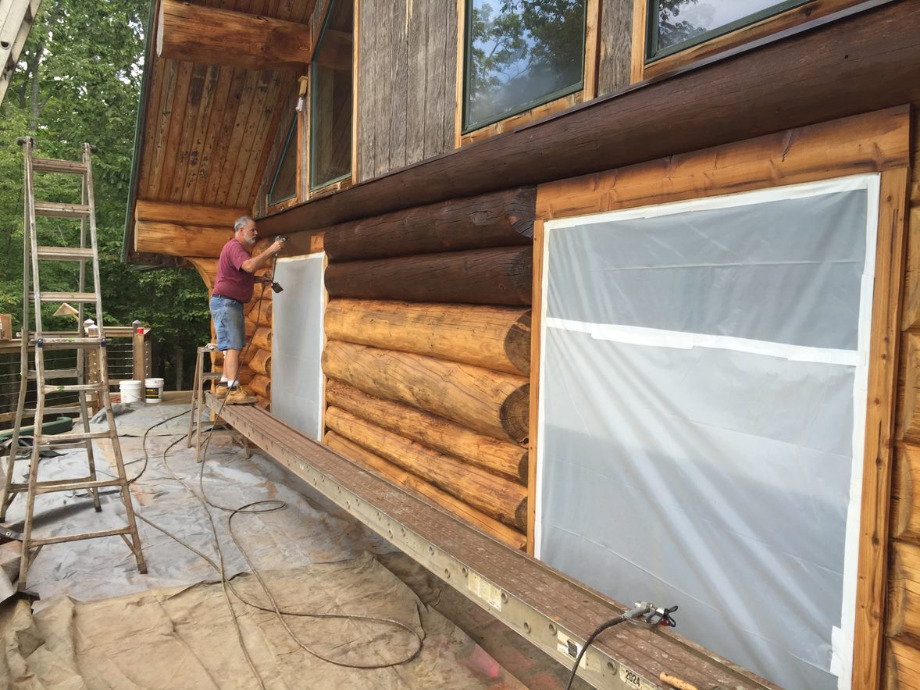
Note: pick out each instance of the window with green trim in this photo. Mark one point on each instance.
(678, 24)
(520, 54)
(284, 184)
(331, 97)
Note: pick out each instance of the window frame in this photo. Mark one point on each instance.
(533, 110)
(345, 178)
(290, 137)
(798, 13)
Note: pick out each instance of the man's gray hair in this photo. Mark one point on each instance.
(241, 223)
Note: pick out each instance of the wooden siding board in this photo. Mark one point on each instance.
(152, 124)
(286, 94)
(399, 69)
(161, 128)
(205, 135)
(246, 137)
(437, 16)
(228, 139)
(218, 131)
(615, 61)
(416, 92)
(178, 104)
(366, 89)
(382, 70)
(196, 103)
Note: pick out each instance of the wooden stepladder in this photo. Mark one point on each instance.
(84, 340)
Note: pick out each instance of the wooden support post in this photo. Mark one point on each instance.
(139, 350)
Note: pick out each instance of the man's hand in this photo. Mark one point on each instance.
(276, 247)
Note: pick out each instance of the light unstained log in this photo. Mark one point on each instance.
(490, 337)
(495, 496)
(501, 457)
(419, 486)
(489, 402)
(261, 362)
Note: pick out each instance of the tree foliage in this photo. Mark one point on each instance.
(78, 80)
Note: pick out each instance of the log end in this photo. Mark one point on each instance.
(515, 414)
(517, 344)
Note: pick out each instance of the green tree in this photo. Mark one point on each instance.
(78, 80)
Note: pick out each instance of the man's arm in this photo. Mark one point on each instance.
(253, 264)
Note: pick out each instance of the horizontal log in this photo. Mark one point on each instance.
(262, 339)
(491, 220)
(180, 240)
(212, 36)
(409, 481)
(188, 214)
(259, 313)
(502, 457)
(489, 402)
(260, 386)
(910, 410)
(904, 590)
(261, 362)
(483, 276)
(495, 496)
(490, 337)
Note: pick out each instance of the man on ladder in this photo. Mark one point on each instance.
(36, 253)
(232, 289)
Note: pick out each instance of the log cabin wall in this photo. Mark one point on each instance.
(902, 652)
(428, 353)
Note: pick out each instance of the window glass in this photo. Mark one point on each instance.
(331, 98)
(675, 24)
(520, 54)
(284, 185)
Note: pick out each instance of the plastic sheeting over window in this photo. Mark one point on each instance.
(702, 413)
(297, 343)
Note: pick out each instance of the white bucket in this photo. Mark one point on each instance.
(130, 391)
(153, 390)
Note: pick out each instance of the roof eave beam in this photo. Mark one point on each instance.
(210, 36)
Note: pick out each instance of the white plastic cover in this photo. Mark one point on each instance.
(702, 414)
(297, 343)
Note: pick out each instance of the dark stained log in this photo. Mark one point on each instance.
(482, 276)
(188, 214)
(489, 402)
(495, 496)
(488, 453)
(409, 481)
(490, 337)
(855, 64)
(212, 36)
(493, 220)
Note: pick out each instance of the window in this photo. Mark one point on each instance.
(677, 24)
(703, 389)
(331, 98)
(520, 54)
(284, 184)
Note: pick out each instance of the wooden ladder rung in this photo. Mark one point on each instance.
(78, 437)
(51, 165)
(51, 374)
(85, 297)
(64, 253)
(74, 388)
(33, 542)
(74, 485)
(55, 209)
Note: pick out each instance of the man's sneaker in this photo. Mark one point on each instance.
(237, 396)
(220, 390)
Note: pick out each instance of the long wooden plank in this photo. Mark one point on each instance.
(541, 604)
(219, 126)
(783, 84)
(214, 91)
(178, 102)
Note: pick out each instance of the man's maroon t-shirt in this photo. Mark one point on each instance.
(232, 281)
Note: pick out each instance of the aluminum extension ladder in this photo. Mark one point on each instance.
(83, 341)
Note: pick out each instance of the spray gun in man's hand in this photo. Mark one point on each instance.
(269, 280)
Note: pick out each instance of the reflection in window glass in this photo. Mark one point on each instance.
(521, 53)
(682, 22)
(284, 186)
(331, 96)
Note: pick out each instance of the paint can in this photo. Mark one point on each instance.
(153, 390)
(130, 391)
